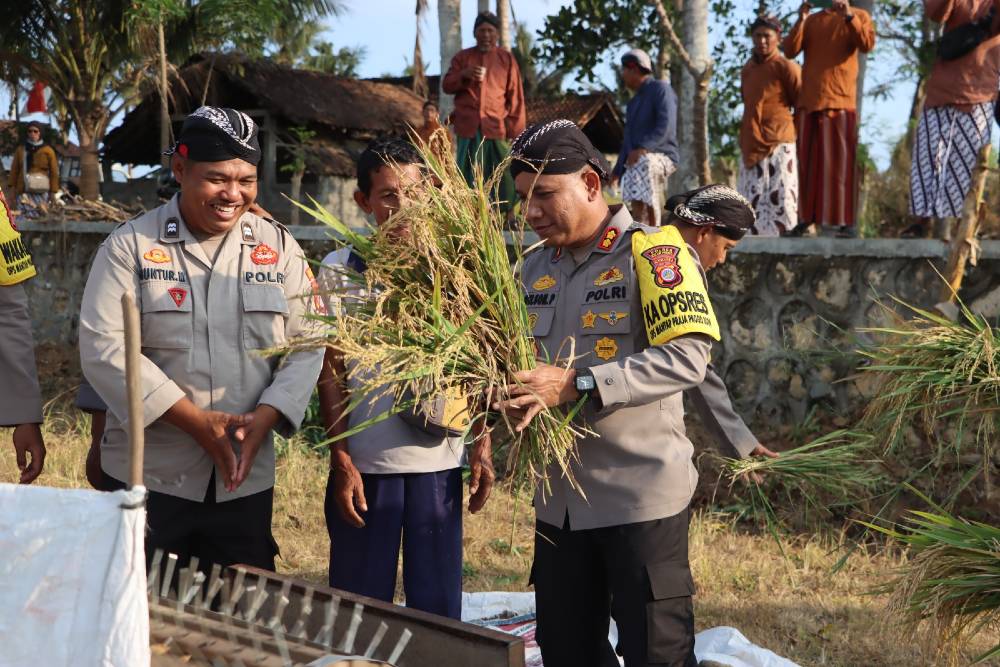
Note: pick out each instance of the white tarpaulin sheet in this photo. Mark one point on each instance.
(515, 613)
(72, 577)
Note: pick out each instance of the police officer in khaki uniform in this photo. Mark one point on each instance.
(217, 287)
(20, 395)
(633, 299)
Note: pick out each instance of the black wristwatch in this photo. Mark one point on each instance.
(585, 382)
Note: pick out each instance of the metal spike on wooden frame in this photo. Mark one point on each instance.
(154, 574)
(168, 575)
(194, 589)
(352, 630)
(215, 583)
(401, 643)
(376, 640)
(258, 600)
(235, 594)
(279, 640)
(325, 635)
(280, 605)
(305, 612)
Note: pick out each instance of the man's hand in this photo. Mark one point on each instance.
(761, 450)
(634, 155)
(804, 10)
(474, 73)
(250, 437)
(348, 490)
(28, 440)
(543, 387)
(842, 7)
(212, 430)
(481, 468)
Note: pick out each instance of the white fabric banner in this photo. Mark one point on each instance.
(72, 577)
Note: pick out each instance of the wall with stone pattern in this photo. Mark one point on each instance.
(790, 309)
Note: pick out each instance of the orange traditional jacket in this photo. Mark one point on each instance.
(494, 106)
(770, 91)
(971, 79)
(43, 160)
(830, 67)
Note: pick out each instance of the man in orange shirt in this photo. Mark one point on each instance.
(956, 121)
(769, 176)
(489, 103)
(827, 111)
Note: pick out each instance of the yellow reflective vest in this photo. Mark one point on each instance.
(15, 260)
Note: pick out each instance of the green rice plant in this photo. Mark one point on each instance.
(444, 314)
(933, 372)
(834, 470)
(950, 584)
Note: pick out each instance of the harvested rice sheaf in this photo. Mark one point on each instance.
(445, 314)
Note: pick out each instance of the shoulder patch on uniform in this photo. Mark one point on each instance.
(172, 228)
(246, 232)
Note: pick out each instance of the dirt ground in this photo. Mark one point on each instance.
(793, 604)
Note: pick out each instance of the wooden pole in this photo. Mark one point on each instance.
(965, 238)
(136, 431)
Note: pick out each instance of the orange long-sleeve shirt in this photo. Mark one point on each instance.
(971, 79)
(495, 105)
(770, 91)
(830, 68)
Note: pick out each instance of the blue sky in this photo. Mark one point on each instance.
(386, 29)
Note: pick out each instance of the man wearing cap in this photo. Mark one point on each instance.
(21, 398)
(489, 103)
(769, 171)
(217, 287)
(649, 149)
(633, 299)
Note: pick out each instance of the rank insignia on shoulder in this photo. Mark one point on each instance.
(247, 232)
(666, 269)
(157, 255)
(606, 348)
(612, 275)
(608, 239)
(612, 317)
(263, 253)
(588, 320)
(544, 283)
(172, 229)
(177, 294)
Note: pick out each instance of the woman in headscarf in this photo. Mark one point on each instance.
(34, 172)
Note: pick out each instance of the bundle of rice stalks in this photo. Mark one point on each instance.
(934, 371)
(951, 583)
(445, 313)
(835, 470)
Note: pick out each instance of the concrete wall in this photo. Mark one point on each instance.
(789, 308)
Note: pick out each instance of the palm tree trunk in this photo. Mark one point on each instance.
(503, 13)
(484, 6)
(450, 27)
(694, 97)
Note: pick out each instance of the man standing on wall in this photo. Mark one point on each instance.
(769, 171)
(489, 104)
(649, 149)
(827, 119)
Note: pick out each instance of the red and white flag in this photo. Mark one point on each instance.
(36, 99)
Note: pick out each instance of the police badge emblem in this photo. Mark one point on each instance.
(606, 348)
(263, 254)
(666, 270)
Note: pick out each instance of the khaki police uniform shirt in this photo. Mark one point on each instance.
(20, 396)
(205, 328)
(638, 465)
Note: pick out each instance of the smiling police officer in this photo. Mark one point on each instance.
(634, 301)
(216, 286)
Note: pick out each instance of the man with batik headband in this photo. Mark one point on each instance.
(649, 148)
(489, 103)
(769, 176)
(827, 118)
(634, 302)
(217, 287)
(957, 119)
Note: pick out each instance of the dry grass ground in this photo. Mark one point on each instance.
(794, 606)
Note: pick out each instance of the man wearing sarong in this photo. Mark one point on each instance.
(769, 176)
(827, 117)
(649, 149)
(489, 104)
(957, 118)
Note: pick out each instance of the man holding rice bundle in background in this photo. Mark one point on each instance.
(633, 300)
(399, 478)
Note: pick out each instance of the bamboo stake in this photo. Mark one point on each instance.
(965, 238)
(136, 432)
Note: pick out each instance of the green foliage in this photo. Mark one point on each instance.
(324, 57)
(300, 138)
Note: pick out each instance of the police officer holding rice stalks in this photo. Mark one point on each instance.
(634, 302)
(217, 287)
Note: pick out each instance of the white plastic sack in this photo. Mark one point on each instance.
(723, 645)
(72, 577)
